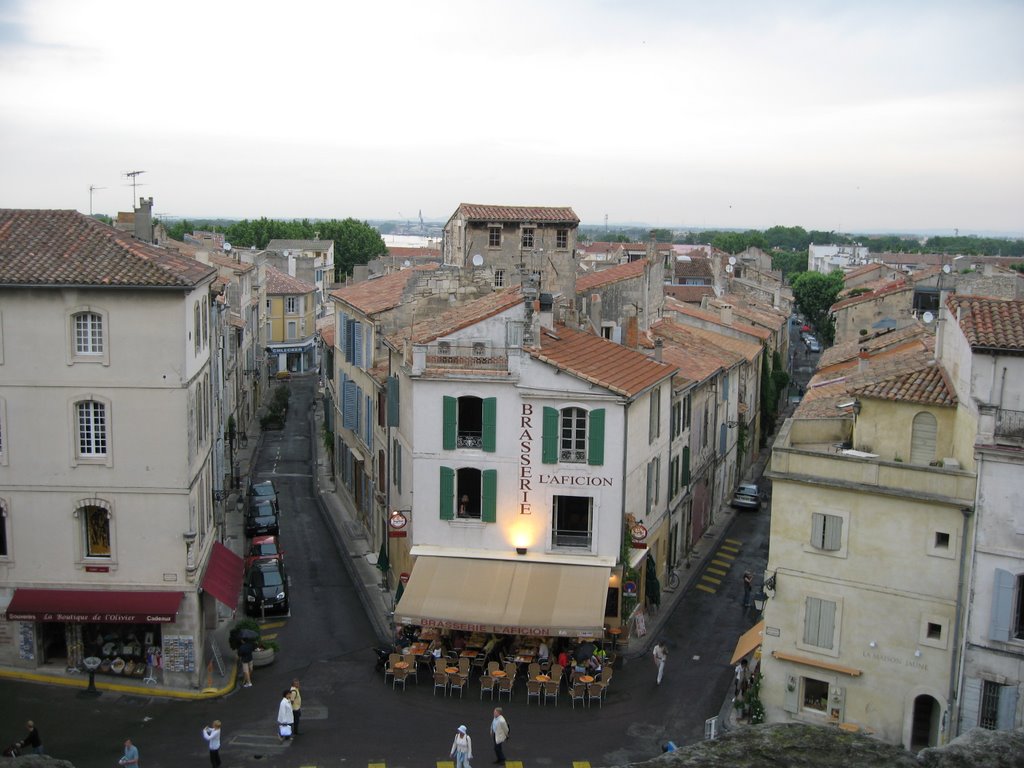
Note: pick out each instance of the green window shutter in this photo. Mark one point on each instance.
(549, 439)
(595, 437)
(489, 513)
(490, 418)
(450, 414)
(398, 466)
(447, 500)
(686, 465)
(392, 395)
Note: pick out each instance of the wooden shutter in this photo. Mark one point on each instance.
(449, 422)
(549, 437)
(817, 530)
(833, 532)
(923, 436)
(970, 710)
(686, 465)
(1002, 605)
(490, 422)
(819, 622)
(446, 503)
(595, 437)
(1007, 707)
(357, 344)
(398, 466)
(489, 513)
(392, 395)
(791, 699)
(827, 627)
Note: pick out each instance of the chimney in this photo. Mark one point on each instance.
(546, 313)
(863, 360)
(659, 344)
(595, 311)
(725, 313)
(632, 334)
(144, 220)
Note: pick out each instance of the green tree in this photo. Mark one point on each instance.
(790, 263)
(355, 242)
(814, 294)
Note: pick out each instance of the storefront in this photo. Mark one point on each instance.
(123, 631)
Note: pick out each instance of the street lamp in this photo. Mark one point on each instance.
(767, 591)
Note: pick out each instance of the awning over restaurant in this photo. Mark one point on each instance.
(507, 597)
(223, 578)
(748, 641)
(93, 606)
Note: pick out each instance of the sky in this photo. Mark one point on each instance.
(866, 116)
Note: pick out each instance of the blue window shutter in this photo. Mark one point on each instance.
(447, 501)
(549, 437)
(595, 437)
(350, 405)
(392, 394)
(357, 344)
(449, 414)
(970, 712)
(342, 329)
(349, 323)
(1002, 605)
(1006, 710)
(490, 423)
(357, 409)
(723, 433)
(489, 513)
(398, 466)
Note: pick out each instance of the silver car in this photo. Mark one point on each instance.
(747, 496)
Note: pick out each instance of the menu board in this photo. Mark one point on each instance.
(179, 654)
(27, 640)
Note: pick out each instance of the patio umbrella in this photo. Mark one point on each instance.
(584, 651)
(249, 634)
(399, 592)
(653, 585)
(383, 562)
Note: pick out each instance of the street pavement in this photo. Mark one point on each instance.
(339, 612)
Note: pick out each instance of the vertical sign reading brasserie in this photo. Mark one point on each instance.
(525, 446)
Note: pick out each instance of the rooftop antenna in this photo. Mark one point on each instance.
(92, 188)
(134, 176)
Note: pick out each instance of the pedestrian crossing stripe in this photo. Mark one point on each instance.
(580, 764)
(712, 579)
(725, 555)
(717, 571)
(729, 549)
(705, 588)
(736, 542)
(721, 564)
(273, 625)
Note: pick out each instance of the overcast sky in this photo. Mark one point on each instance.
(854, 116)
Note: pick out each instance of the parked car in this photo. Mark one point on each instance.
(261, 519)
(813, 346)
(263, 547)
(263, 490)
(266, 588)
(747, 496)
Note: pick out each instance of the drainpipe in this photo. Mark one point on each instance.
(955, 684)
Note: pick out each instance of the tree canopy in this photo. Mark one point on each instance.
(814, 294)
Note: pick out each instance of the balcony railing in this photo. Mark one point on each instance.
(1010, 424)
(574, 539)
(466, 439)
(467, 356)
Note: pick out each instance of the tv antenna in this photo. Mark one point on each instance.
(134, 176)
(92, 188)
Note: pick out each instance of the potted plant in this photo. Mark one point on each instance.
(265, 651)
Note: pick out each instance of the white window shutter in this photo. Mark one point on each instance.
(826, 632)
(817, 529)
(1002, 605)
(1007, 707)
(834, 533)
(970, 710)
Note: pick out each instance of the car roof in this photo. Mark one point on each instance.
(267, 564)
(264, 539)
(259, 506)
(747, 488)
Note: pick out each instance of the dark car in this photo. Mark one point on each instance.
(261, 519)
(263, 491)
(263, 547)
(266, 588)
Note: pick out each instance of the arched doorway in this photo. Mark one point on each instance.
(924, 730)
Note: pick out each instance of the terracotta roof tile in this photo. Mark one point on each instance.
(599, 361)
(928, 385)
(302, 245)
(697, 355)
(518, 213)
(465, 315)
(611, 275)
(690, 294)
(697, 313)
(379, 293)
(695, 266)
(239, 267)
(915, 336)
(990, 324)
(280, 284)
(52, 247)
(890, 288)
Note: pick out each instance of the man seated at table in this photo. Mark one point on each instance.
(593, 666)
(543, 652)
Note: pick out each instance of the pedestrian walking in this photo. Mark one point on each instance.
(462, 748)
(660, 654)
(131, 754)
(296, 706)
(748, 585)
(741, 677)
(285, 716)
(212, 735)
(245, 651)
(32, 740)
(499, 732)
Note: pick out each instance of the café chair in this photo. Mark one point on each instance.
(578, 693)
(486, 684)
(492, 666)
(441, 681)
(511, 669)
(533, 691)
(505, 687)
(410, 659)
(534, 669)
(457, 681)
(596, 690)
(399, 676)
(551, 690)
(393, 658)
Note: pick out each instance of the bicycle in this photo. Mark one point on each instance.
(674, 581)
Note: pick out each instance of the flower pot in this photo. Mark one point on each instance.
(263, 657)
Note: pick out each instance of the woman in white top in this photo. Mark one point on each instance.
(285, 715)
(462, 748)
(212, 734)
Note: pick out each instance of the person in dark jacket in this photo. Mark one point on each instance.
(32, 740)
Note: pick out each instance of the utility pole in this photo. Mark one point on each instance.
(92, 188)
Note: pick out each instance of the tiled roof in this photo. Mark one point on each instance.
(611, 275)
(770, 317)
(302, 245)
(886, 290)
(928, 385)
(471, 313)
(278, 283)
(864, 269)
(713, 317)
(915, 336)
(227, 262)
(325, 328)
(379, 293)
(518, 213)
(691, 294)
(695, 266)
(50, 247)
(990, 324)
(696, 357)
(599, 361)
(413, 252)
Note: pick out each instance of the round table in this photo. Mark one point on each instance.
(451, 670)
(542, 678)
(401, 665)
(585, 679)
(498, 673)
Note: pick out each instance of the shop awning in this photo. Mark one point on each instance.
(223, 578)
(94, 606)
(748, 641)
(819, 663)
(507, 597)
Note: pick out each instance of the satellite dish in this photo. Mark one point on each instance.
(946, 268)
(728, 268)
(406, 263)
(927, 317)
(478, 260)
(226, 247)
(732, 260)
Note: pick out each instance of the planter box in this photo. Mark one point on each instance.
(263, 657)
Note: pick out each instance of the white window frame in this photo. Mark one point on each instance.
(528, 236)
(569, 418)
(105, 458)
(836, 628)
(843, 551)
(291, 305)
(499, 278)
(490, 235)
(74, 355)
(562, 238)
(84, 558)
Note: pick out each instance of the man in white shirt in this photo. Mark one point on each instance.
(660, 654)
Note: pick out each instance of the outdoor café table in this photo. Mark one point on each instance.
(428, 634)
(451, 670)
(498, 673)
(542, 678)
(469, 654)
(586, 679)
(401, 665)
(524, 659)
